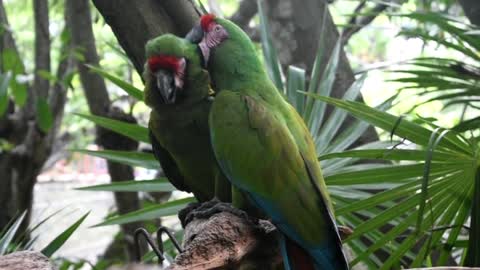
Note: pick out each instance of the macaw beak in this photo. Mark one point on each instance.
(195, 35)
(165, 84)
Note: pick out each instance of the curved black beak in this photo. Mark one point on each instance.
(195, 35)
(165, 84)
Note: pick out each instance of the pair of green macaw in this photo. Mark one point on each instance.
(241, 132)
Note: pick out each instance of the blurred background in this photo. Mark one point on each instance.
(45, 84)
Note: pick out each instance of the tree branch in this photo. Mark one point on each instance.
(472, 10)
(80, 25)
(358, 22)
(229, 240)
(99, 103)
(244, 14)
(135, 22)
(42, 49)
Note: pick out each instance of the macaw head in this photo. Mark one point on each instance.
(169, 72)
(166, 68)
(226, 48)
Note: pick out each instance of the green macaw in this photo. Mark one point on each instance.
(177, 89)
(264, 147)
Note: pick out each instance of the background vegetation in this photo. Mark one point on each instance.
(402, 170)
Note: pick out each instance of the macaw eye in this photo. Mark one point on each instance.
(218, 28)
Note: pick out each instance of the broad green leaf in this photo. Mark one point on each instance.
(386, 121)
(133, 131)
(7, 237)
(136, 159)
(58, 242)
(47, 75)
(401, 228)
(439, 204)
(335, 120)
(391, 154)
(447, 222)
(269, 51)
(44, 115)
(155, 185)
(314, 117)
(471, 124)
(296, 82)
(11, 61)
(317, 67)
(460, 219)
(392, 173)
(127, 87)
(432, 144)
(150, 212)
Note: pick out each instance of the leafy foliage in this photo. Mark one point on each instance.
(421, 182)
(421, 193)
(454, 81)
(12, 240)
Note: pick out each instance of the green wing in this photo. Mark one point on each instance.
(169, 167)
(260, 155)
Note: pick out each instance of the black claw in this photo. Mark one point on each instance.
(183, 214)
(207, 209)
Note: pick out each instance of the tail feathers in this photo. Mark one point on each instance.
(298, 258)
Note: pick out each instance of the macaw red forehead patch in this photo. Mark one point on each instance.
(206, 20)
(163, 62)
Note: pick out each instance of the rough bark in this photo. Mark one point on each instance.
(80, 23)
(226, 240)
(42, 48)
(135, 22)
(22, 260)
(20, 166)
(472, 10)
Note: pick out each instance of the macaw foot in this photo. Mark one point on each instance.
(207, 209)
(344, 232)
(182, 214)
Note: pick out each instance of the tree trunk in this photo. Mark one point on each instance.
(296, 31)
(80, 24)
(135, 22)
(472, 10)
(20, 166)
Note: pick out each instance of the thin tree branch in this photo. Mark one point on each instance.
(99, 103)
(242, 17)
(136, 22)
(245, 12)
(42, 48)
(358, 22)
(80, 24)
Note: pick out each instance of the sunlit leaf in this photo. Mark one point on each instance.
(128, 88)
(136, 159)
(155, 185)
(58, 242)
(150, 212)
(7, 237)
(133, 131)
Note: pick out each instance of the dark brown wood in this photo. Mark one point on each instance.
(22, 260)
(80, 24)
(135, 22)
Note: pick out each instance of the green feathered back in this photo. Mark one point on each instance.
(265, 149)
